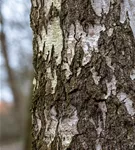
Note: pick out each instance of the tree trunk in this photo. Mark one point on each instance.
(84, 85)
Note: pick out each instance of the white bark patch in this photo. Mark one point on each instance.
(132, 75)
(100, 6)
(71, 45)
(48, 3)
(67, 128)
(98, 145)
(57, 4)
(123, 97)
(70, 52)
(102, 106)
(51, 125)
(39, 124)
(100, 129)
(52, 38)
(109, 61)
(128, 6)
(78, 71)
(89, 41)
(111, 87)
(40, 42)
(123, 12)
(47, 6)
(35, 84)
(110, 32)
(95, 76)
(66, 67)
(34, 81)
(53, 79)
(34, 3)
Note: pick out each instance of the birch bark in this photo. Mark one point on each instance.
(84, 85)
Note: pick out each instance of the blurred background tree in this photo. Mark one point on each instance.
(15, 67)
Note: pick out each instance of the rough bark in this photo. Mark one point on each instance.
(84, 85)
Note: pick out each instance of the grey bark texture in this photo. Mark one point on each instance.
(84, 85)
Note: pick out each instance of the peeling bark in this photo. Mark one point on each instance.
(84, 85)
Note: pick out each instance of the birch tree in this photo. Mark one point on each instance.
(84, 85)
